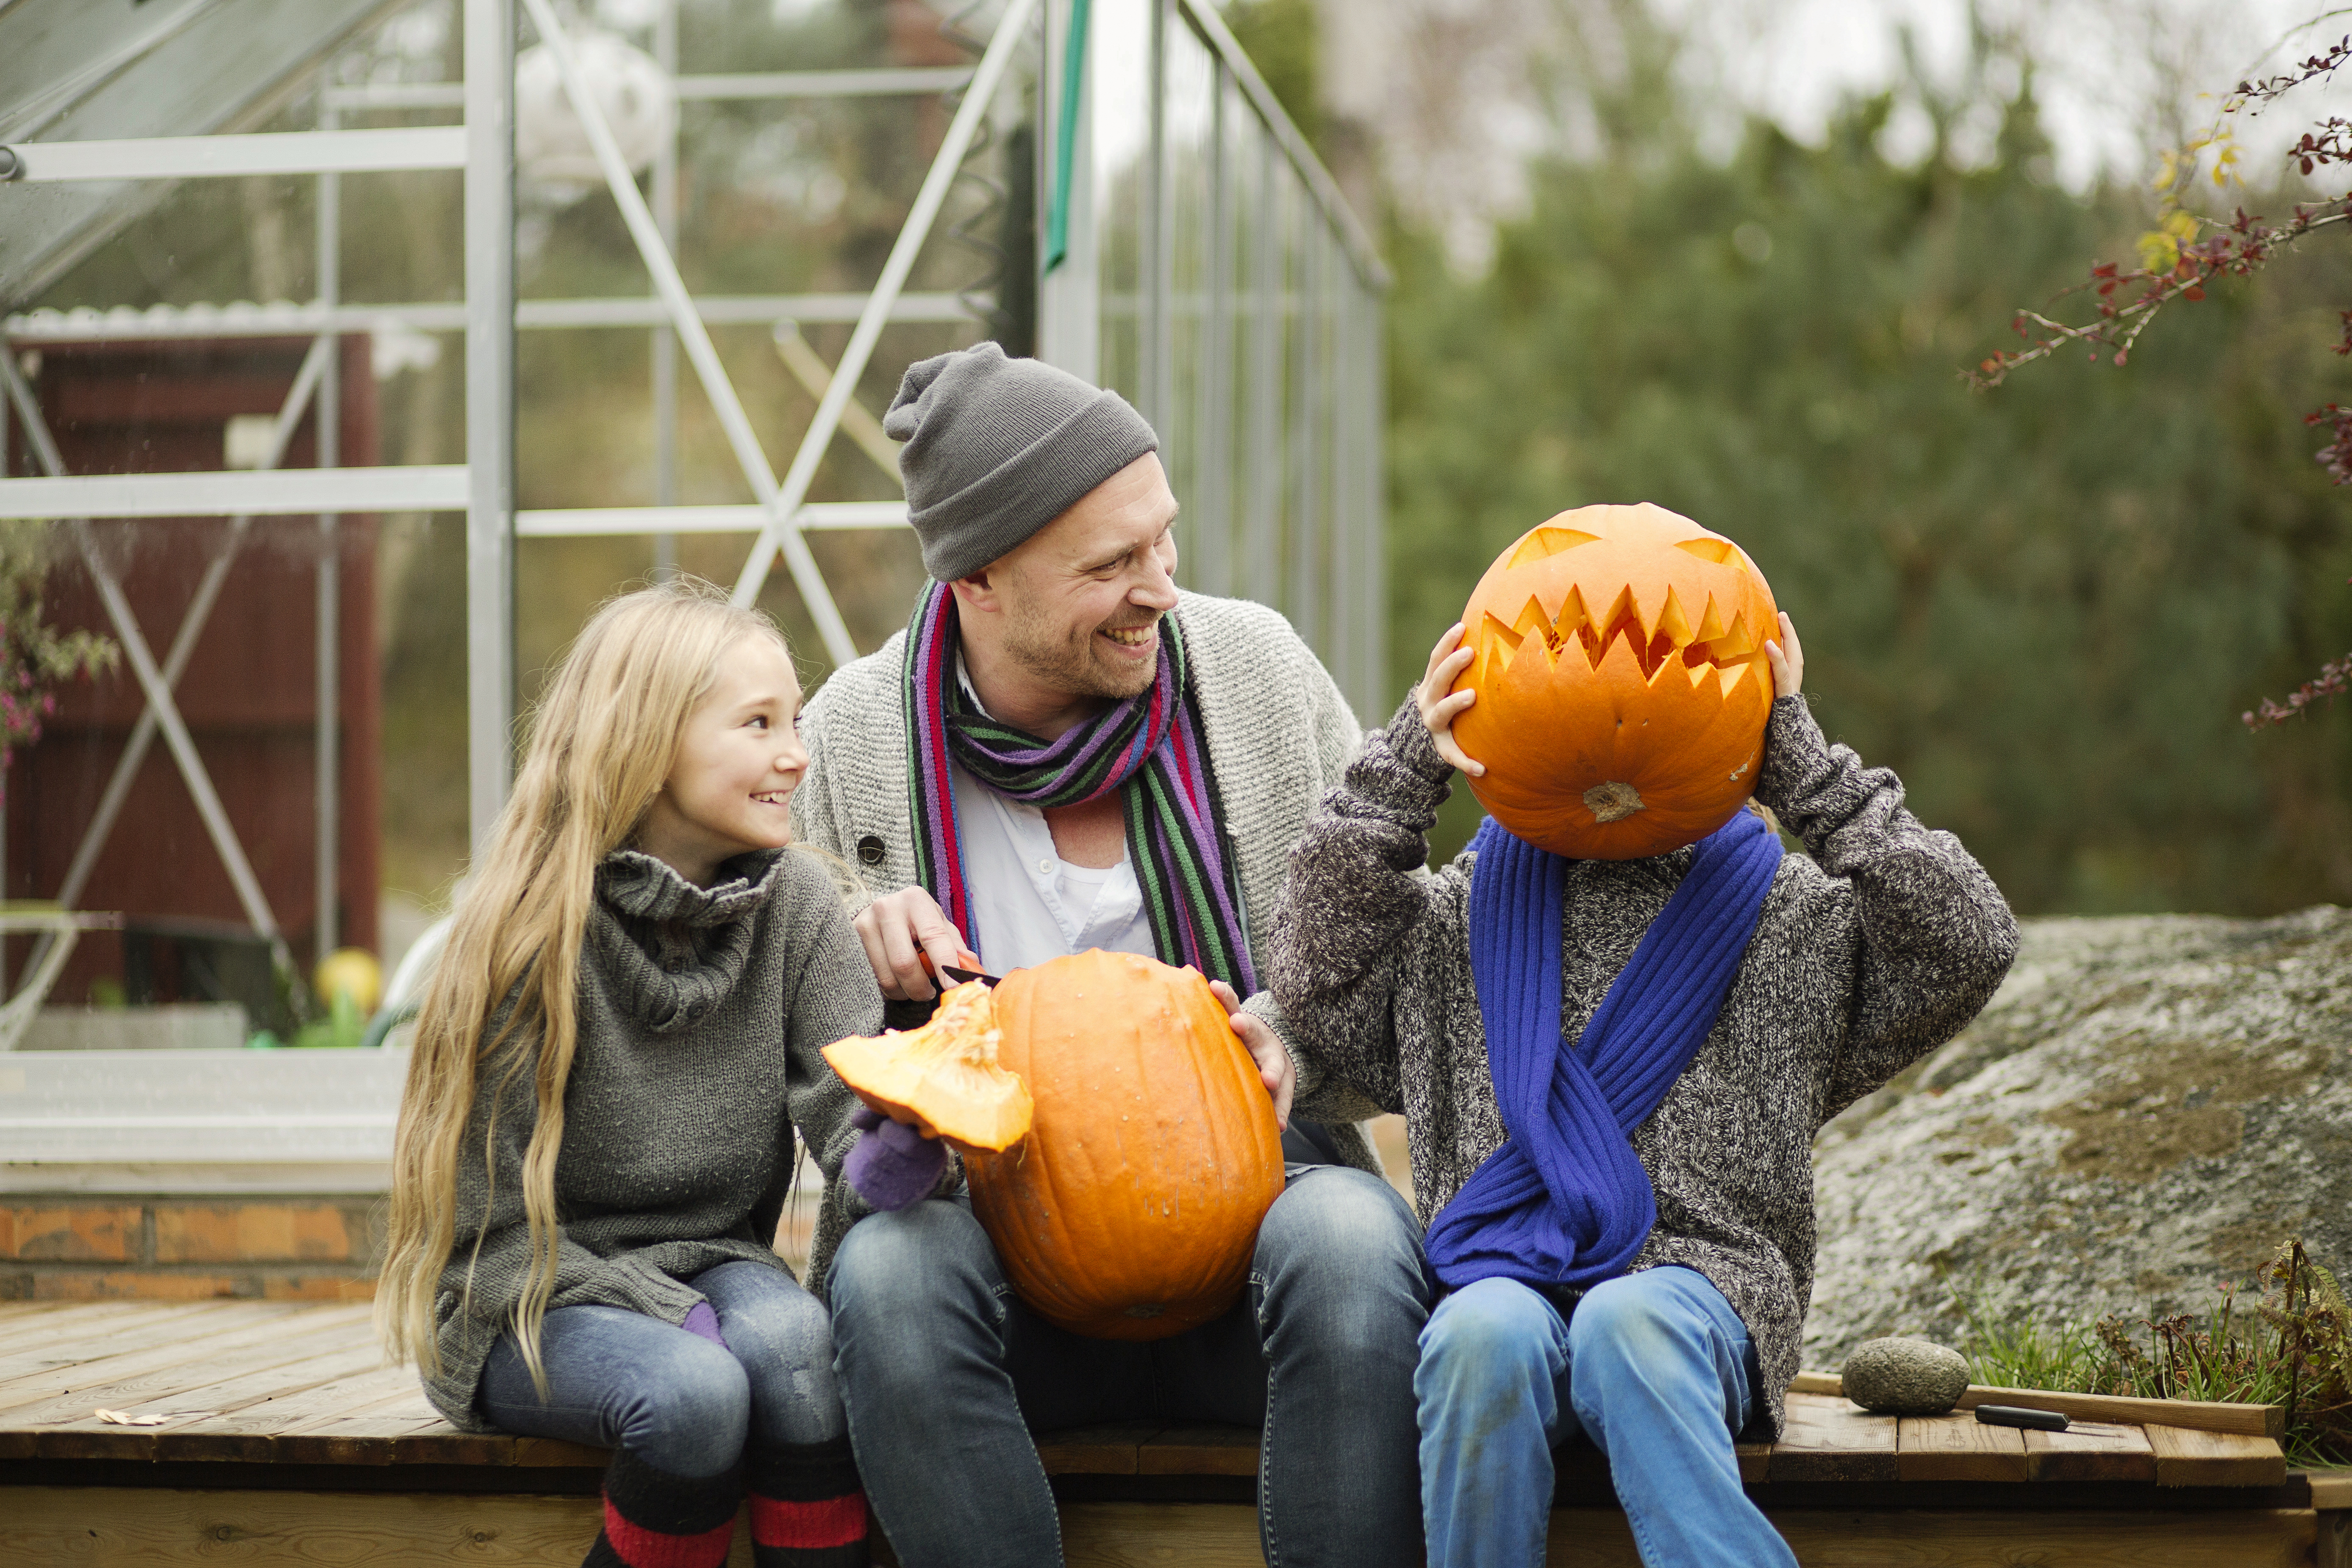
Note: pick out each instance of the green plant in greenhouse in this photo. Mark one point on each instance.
(35, 658)
(2291, 1346)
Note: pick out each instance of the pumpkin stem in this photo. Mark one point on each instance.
(1613, 802)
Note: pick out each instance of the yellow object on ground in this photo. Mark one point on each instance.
(350, 972)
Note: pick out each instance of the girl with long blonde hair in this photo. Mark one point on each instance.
(596, 1140)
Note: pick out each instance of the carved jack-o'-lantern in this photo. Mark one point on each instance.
(1622, 686)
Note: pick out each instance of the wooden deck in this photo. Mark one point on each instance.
(267, 1433)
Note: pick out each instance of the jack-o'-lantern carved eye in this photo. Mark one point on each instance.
(1618, 655)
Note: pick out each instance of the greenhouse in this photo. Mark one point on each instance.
(372, 345)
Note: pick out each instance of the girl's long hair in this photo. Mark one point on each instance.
(602, 742)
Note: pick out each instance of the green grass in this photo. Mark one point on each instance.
(2290, 1344)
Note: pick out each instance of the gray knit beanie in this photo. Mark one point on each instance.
(996, 449)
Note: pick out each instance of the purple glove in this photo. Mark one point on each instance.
(704, 1321)
(892, 1164)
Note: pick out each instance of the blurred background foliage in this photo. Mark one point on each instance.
(2045, 608)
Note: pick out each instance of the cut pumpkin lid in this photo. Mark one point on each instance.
(943, 1077)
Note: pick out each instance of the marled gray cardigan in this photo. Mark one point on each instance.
(1278, 734)
(1865, 957)
(702, 1014)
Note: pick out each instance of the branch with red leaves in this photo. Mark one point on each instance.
(2333, 682)
(2247, 244)
(2312, 70)
(2178, 266)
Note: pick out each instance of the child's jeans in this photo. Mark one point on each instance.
(1654, 1367)
(683, 1404)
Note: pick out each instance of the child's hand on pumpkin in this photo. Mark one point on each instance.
(1787, 658)
(1272, 1062)
(1440, 704)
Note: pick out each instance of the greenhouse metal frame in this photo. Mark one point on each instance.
(1199, 260)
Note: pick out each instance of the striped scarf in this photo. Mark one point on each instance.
(1149, 747)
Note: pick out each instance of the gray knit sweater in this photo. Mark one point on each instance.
(702, 1014)
(1866, 956)
(1278, 734)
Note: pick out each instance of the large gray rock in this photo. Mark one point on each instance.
(2147, 1108)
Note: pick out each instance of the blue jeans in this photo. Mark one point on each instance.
(1655, 1367)
(620, 1379)
(947, 1373)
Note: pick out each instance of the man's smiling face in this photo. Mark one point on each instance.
(1083, 596)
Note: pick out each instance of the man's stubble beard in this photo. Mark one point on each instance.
(1072, 667)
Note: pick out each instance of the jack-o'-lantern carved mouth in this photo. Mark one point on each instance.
(1659, 632)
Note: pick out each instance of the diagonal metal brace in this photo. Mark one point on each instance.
(696, 339)
(159, 694)
(183, 642)
(779, 532)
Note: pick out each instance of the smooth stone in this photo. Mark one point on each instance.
(1905, 1377)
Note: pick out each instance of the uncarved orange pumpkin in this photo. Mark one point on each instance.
(1622, 680)
(1131, 1209)
(945, 1076)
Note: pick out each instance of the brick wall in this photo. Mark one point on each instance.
(73, 1248)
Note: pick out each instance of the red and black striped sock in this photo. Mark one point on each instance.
(807, 1509)
(656, 1520)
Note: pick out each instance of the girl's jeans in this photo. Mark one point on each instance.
(681, 1404)
(1655, 1367)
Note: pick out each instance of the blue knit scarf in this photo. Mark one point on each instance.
(1565, 1202)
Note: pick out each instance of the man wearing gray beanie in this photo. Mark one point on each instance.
(1063, 751)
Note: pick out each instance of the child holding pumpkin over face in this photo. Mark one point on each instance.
(1612, 1069)
(596, 1142)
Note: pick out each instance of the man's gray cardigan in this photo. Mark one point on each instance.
(701, 1015)
(1278, 734)
(1865, 957)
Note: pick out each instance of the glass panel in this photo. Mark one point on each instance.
(1189, 309)
(1264, 403)
(1303, 581)
(1120, 45)
(1243, 177)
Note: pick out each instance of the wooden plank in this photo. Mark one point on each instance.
(85, 1342)
(553, 1453)
(252, 1417)
(2330, 1489)
(163, 1367)
(67, 1321)
(2333, 1549)
(2195, 1415)
(2091, 1451)
(361, 1433)
(1957, 1448)
(2250, 1537)
(1755, 1460)
(138, 1526)
(221, 1430)
(1137, 1534)
(1829, 1439)
(1202, 1451)
(76, 1391)
(1832, 1538)
(1106, 1450)
(369, 1439)
(2188, 1457)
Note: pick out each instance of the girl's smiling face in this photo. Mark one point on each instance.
(729, 787)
